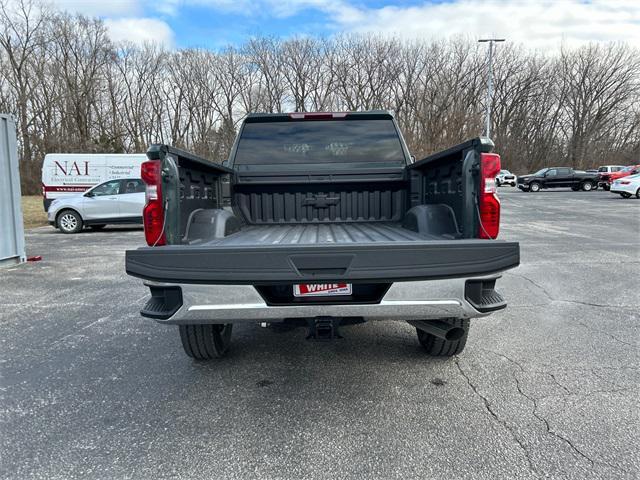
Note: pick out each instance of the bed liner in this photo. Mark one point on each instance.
(320, 233)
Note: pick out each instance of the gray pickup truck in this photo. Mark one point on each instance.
(322, 219)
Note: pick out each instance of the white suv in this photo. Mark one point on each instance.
(115, 201)
(505, 177)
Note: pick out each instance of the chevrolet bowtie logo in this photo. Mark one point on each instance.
(320, 201)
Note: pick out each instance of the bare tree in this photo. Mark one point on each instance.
(23, 40)
(600, 82)
(264, 54)
(81, 51)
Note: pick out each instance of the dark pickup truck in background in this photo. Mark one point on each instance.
(322, 219)
(558, 177)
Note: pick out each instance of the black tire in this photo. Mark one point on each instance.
(625, 194)
(606, 188)
(534, 187)
(98, 227)
(206, 342)
(587, 186)
(69, 221)
(444, 348)
(497, 182)
(638, 193)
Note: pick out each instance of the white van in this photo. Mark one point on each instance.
(68, 174)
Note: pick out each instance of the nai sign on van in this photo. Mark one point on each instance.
(66, 174)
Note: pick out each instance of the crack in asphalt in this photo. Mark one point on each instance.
(522, 369)
(552, 299)
(535, 284)
(495, 416)
(544, 420)
(560, 437)
(589, 304)
(607, 334)
(568, 393)
(555, 380)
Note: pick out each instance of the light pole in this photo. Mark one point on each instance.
(489, 83)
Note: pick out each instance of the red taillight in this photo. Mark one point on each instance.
(153, 212)
(488, 202)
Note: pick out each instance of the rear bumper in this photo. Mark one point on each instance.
(418, 300)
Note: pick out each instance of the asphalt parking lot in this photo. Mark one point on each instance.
(548, 388)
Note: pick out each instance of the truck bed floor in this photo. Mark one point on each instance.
(323, 233)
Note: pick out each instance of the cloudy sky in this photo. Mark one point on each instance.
(544, 24)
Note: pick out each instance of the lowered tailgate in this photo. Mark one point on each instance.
(360, 252)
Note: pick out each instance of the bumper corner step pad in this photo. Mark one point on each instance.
(164, 302)
(481, 294)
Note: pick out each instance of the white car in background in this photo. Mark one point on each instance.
(505, 177)
(112, 202)
(627, 186)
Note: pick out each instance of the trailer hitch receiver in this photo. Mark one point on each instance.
(323, 329)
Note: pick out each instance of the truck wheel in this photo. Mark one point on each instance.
(587, 186)
(534, 187)
(638, 193)
(444, 348)
(625, 194)
(206, 341)
(69, 221)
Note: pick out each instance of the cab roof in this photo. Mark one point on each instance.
(297, 116)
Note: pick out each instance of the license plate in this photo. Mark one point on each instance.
(321, 289)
